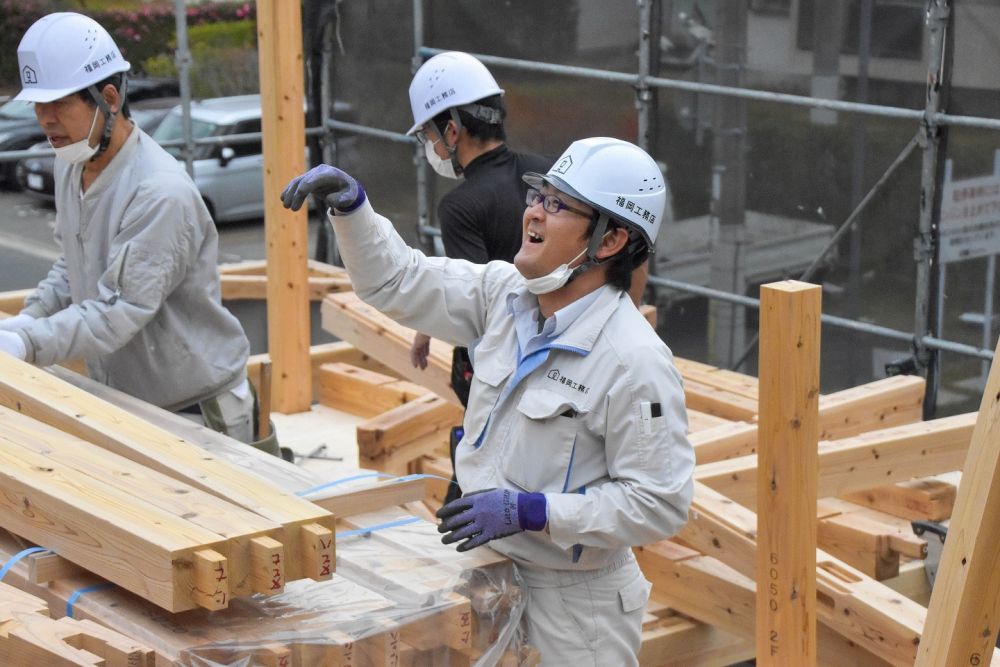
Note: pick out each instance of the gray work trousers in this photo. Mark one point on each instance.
(586, 618)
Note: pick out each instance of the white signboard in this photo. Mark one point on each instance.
(970, 219)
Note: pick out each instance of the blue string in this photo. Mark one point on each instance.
(404, 478)
(80, 591)
(408, 478)
(380, 526)
(341, 481)
(16, 557)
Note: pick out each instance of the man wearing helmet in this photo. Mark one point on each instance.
(458, 117)
(136, 289)
(575, 445)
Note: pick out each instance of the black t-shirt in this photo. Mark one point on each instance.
(481, 218)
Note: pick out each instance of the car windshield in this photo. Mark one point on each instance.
(171, 128)
(18, 109)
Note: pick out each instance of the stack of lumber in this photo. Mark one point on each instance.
(28, 636)
(143, 508)
(137, 526)
(399, 598)
(878, 467)
(248, 280)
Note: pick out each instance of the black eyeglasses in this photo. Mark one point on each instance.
(421, 137)
(551, 203)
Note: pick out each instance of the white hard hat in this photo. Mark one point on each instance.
(63, 53)
(448, 80)
(615, 177)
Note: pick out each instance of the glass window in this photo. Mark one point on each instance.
(246, 127)
(18, 109)
(897, 28)
(172, 129)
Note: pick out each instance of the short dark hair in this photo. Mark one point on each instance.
(478, 129)
(627, 260)
(117, 80)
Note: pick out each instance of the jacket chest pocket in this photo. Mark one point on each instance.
(540, 457)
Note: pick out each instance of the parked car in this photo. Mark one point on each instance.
(230, 177)
(18, 131)
(35, 174)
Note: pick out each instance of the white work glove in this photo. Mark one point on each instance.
(12, 344)
(16, 322)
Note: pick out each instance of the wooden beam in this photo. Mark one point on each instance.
(368, 497)
(786, 490)
(12, 302)
(118, 536)
(678, 640)
(699, 421)
(866, 541)
(36, 393)
(46, 566)
(29, 637)
(860, 609)
(254, 288)
(238, 637)
(927, 499)
(699, 586)
(279, 47)
(877, 405)
(648, 311)
(350, 319)
(964, 613)
(426, 415)
(719, 402)
(238, 526)
(361, 392)
(437, 486)
(861, 462)
(709, 591)
(324, 353)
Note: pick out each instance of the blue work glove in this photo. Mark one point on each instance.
(335, 187)
(490, 514)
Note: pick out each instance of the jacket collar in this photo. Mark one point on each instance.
(582, 334)
(113, 170)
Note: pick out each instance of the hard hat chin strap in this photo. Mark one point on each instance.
(453, 150)
(600, 229)
(109, 116)
(636, 244)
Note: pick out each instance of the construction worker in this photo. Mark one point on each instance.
(458, 117)
(575, 445)
(136, 290)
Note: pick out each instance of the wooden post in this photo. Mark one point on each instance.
(279, 40)
(788, 464)
(964, 612)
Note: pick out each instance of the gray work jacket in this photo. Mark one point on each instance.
(136, 290)
(595, 420)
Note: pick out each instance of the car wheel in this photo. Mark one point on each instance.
(8, 176)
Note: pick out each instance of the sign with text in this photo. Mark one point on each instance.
(970, 219)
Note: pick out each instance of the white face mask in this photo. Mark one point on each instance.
(442, 166)
(79, 151)
(555, 279)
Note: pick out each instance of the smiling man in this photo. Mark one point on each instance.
(136, 290)
(575, 445)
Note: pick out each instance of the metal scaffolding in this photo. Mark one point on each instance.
(931, 137)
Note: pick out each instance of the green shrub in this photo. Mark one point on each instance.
(224, 59)
(143, 34)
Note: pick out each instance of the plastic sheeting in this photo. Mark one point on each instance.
(399, 597)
